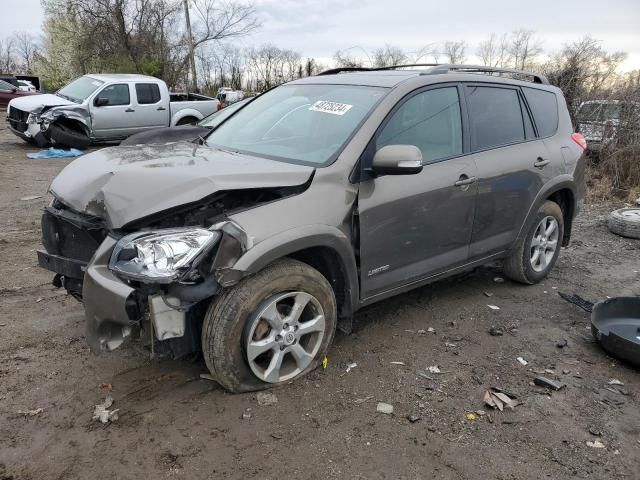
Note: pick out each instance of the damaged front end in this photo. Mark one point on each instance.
(35, 126)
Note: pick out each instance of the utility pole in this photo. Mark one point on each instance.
(192, 58)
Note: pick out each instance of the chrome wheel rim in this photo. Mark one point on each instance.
(544, 243)
(284, 336)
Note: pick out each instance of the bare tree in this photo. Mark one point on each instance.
(455, 51)
(7, 57)
(343, 58)
(26, 48)
(389, 55)
(493, 51)
(523, 48)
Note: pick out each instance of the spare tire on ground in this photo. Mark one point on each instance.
(66, 136)
(625, 222)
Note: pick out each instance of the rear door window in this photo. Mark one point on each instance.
(544, 107)
(495, 117)
(116, 94)
(429, 120)
(147, 93)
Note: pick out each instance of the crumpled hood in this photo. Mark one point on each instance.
(123, 184)
(35, 103)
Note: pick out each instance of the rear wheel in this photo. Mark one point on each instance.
(537, 251)
(271, 328)
(187, 121)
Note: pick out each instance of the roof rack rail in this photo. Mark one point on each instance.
(537, 78)
(439, 68)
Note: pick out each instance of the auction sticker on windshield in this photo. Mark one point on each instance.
(330, 107)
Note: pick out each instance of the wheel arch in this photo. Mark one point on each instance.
(562, 191)
(322, 247)
(184, 113)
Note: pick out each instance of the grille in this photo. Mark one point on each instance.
(70, 234)
(18, 119)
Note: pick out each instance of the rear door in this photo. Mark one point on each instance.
(513, 163)
(150, 110)
(413, 226)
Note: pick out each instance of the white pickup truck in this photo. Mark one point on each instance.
(103, 108)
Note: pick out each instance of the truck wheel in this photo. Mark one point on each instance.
(271, 328)
(536, 252)
(68, 137)
(187, 121)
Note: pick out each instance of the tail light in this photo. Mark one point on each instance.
(579, 139)
(219, 106)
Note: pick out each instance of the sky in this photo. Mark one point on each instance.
(317, 28)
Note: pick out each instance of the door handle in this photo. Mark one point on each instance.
(465, 180)
(161, 108)
(129, 110)
(541, 162)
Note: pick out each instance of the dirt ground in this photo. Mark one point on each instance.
(173, 424)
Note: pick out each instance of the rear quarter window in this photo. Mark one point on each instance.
(147, 93)
(544, 107)
(496, 117)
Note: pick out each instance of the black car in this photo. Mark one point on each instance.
(189, 133)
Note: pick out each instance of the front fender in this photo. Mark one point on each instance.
(296, 240)
(79, 114)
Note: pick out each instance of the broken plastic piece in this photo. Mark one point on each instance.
(547, 382)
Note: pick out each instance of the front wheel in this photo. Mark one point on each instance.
(537, 250)
(271, 328)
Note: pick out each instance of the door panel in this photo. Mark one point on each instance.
(117, 118)
(415, 225)
(150, 110)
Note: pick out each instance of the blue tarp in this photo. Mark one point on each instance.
(56, 153)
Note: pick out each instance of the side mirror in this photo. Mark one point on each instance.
(397, 160)
(101, 102)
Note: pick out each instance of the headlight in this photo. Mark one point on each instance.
(161, 256)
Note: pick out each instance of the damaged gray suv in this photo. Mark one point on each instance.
(317, 198)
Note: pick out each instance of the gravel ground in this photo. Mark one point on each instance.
(173, 424)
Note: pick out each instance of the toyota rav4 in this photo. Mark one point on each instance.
(315, 199)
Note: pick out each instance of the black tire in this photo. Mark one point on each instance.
(223, 329)
(187, 121)
(63, 135)
(625, 222)
(518, 265)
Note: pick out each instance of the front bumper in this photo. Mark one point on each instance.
(32, 134)
(109, 303)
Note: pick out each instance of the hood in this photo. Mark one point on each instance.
(35, 103)
(167, 134)
(123, 184)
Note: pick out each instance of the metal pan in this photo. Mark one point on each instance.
(615, 324)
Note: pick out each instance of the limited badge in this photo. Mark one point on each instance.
(330, 107)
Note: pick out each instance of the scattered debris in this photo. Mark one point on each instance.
(578, 301)
(413, 418)
(548, 383)
(351, 366)
(495, 398)
(522, 361)
(498, 280)
(397, 363)
(277, 436)
(562, 343)
(424, 375)
(207, 376)
(488, 294)
(266, 399)
(325, 361)
(422, 332)
(105, 386)
(434, 369)
(470, 416)
(31, 413)
(247, 414)
(55, 153)
(595, 432)
(596, 444)
(493, 307)
(384, 408)
(496, 332)
(102, 412)
(358, 401)
(615, 381)
(481, 413)
(30, 197)
(431, 330)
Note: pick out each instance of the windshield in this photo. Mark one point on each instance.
(78, 90)
(598, 112)
(215, 119)
(298, 123)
